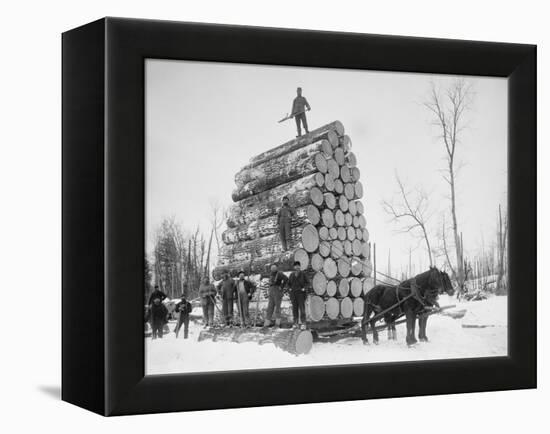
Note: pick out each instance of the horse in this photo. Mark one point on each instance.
(411, 297)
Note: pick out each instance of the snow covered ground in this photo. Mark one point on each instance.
(486, 336)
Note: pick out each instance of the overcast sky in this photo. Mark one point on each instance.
(205, 120)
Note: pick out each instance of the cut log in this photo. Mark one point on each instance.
(323, 233)
(348, 248)
(313, 214)
(315, 308)
(365, 249)
(336, 249)
(343, 267)
(320, 179)
(302, 257)
(368, 284)
(357, 247)
(346, 307)
(310, 238)
(343, 203)
(359, 221)
(330, 268)
(351, 159)
(317, 262)
(269, 202)
(280, 171)
(343, 287)
(332, 308)
(367, 268)
(360, 207)
(356, 287)
(327, 217)
(339, 218)
(259, 247)
(324, 249)
(329, 182)
(269, 225)
(356, 266)
(342, 233)
(345, 174)
(319, 283)
(365, 235)
(359, 234)
(349, 191)
(351, 234)
(355, 174)
(348, 218)
(293, 341)
(333, 168)
(358, 307)
(358, 189)
(331, 288)
(339, 156)
(316, 196)
(329, 132)
(338, 186)
(330, 200)
(353, 207)
(345, 142)
(333, 233)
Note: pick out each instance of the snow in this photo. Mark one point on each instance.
(448, 340)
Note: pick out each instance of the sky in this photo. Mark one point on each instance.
(205, 120)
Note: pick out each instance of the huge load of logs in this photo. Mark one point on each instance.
(318, 173)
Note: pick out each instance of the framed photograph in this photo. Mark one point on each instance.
(257, 216)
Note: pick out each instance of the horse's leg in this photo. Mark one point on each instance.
(411, 319)
(388, 321)
(364, 324)
(393, 331)
(422, 322)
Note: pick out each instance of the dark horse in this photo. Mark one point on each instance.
(413, 298)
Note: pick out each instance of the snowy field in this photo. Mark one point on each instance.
(486, 337)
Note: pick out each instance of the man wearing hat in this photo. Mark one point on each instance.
(298, 282)
(157, 293)
(184, 308)
(299, 107)
(284, 220)
(228, 291)
(277, 282)
(245, 289)
(207, 292)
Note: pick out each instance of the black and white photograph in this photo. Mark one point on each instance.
(299, 216)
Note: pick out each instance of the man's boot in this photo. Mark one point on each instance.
(278, 323)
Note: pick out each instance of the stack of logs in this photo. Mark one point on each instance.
(318, 173)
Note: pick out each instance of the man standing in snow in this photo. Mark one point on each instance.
(245, 289)
(184, 308)
(299, 107)
(284, 220)
(207, 292)
(228, 291)
(156, 293)
(297, 282)
(158, 317)
(277, 282)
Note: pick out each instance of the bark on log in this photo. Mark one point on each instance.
(315, 308)
(358, 307)
(338, 186)
(269, 202)
(331, 288)
(346, 307)
(293, 341)
(329, 182)
(327, 217)
(319, 283)
(320, 133)
(332, 308)
(281, 171)
(330, 268)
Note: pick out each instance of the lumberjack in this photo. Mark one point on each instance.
(297, 282)
(245, 289)
(286, 213)
(277, 282)
(299, 107)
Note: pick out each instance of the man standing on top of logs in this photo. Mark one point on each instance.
(299, 107)
(228, 291)
(284, 220)
(207, 292)
(245, 289)
(277, 282)
(297, 282)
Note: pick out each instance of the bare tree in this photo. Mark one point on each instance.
(411, 210)
(218, 219)
(448, 109)
(502, 236)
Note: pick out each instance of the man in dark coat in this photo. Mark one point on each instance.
(299, 107)
(277, 283)
(245, 289)
(297, 282)
(156, 293)
(184, 308)
(228, 292)
(158, 317)
(207, 292)
(284, 220)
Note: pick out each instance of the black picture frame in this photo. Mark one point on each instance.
(103, 215)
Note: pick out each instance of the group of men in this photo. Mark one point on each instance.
(242, 290)
(157, 313)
